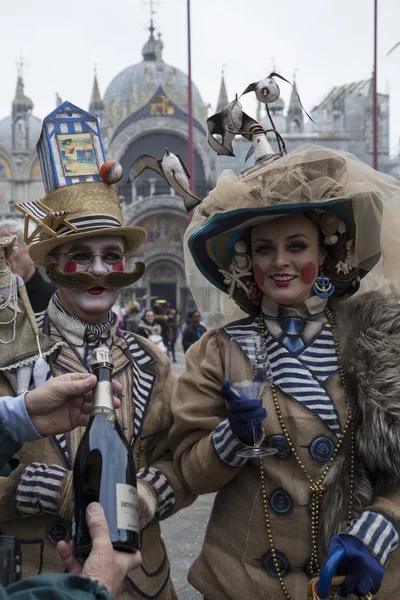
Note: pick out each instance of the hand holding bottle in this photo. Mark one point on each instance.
(103, 564)
(63, 403)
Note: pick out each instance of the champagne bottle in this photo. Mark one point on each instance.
(104, 470)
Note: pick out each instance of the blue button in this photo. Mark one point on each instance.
(281, 443)
(58, 533)
(269, 566)
(280, 502)
(321, 449)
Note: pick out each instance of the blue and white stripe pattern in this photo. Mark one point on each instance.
(377, 533)
(298, 377)
(227, 445)
(89, 222)
(143, 381)
(158, 481)
(39, 489)
(320, 357)
(67, 119)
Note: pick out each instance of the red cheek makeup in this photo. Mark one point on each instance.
(118, 266)
(70, 267)
(308, 273)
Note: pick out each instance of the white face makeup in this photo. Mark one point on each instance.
(92, 305)
(286, 258)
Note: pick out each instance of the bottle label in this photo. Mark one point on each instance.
(127, 507)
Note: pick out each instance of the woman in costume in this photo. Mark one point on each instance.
(290, 240)
(22, 345)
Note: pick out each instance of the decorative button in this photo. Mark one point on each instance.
(321, 449)
(58, 533)
(283, 564)
(280, 502)
(281, 443)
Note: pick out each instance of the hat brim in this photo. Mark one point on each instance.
(134, 237)
(212, 245)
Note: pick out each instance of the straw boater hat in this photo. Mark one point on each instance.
(80, 201)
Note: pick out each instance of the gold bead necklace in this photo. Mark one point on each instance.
(316, 485)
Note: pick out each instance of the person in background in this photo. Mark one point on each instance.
(193, 331)
(133, 318)
(172, 331)
(64, 405)
(39, 290)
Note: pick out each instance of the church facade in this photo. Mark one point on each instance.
(143, 111)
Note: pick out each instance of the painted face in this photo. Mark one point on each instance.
(286, 258)
(92, 305)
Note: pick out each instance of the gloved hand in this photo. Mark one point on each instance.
(348, 556)
(148, 502)
(243, 413)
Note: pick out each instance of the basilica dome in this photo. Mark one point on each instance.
(131, 89)
(34, 128)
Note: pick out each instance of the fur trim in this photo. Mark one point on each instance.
(368, 328)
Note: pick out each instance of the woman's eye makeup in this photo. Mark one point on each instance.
(293, 246)
(297, 246)
(262, 248)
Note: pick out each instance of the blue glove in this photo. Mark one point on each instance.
(243, 413)
(348, 556)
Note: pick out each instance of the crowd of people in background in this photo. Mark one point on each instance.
(162, 325)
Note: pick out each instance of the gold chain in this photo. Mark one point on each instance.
(316, 487)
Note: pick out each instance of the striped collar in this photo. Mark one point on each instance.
(75, 331)
(300, 377)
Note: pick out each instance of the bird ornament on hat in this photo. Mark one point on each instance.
(80, 200)
(334, 189)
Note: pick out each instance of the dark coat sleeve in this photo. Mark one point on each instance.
(8, 449)
(55, 587)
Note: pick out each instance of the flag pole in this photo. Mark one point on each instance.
(375, 90)
(190, 106)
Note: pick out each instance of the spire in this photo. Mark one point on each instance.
(149, 51)
(223, 96)
(295, 112)
(294, 104)
(96, 103)
(21, 103)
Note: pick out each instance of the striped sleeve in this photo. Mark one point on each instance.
(39, 489)
(227, 445)
(377, 533)
(166, 496)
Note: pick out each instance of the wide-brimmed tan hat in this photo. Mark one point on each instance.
(80, 200)
(93, 209)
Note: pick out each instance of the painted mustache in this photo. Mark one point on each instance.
(112, 280)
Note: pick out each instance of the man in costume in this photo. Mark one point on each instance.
(80, 239)
(290, 240)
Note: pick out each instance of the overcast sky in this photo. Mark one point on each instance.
(329, 42)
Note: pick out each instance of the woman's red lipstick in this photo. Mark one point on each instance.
(96, 291)
(282, 283)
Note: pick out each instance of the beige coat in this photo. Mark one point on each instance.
(38, 533)
(229, 566)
